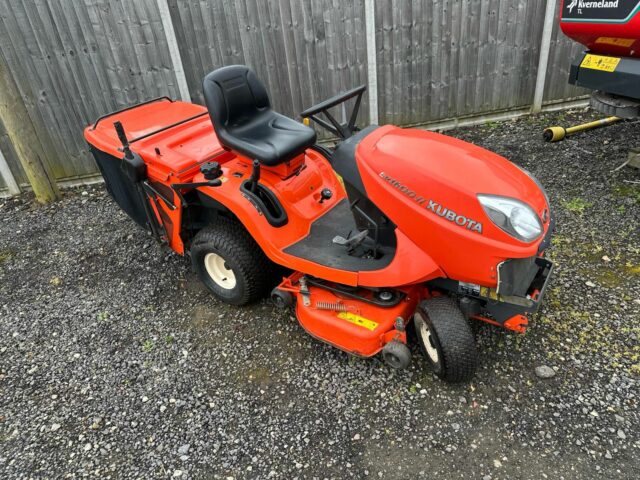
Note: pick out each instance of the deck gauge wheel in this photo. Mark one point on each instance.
(396, 354)
(281, 298)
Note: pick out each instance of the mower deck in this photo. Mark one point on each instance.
(357, 321)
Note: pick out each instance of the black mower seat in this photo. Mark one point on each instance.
(241, 114)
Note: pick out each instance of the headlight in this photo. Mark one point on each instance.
(513, 216)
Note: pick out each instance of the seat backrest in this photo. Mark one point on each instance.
(234, 96)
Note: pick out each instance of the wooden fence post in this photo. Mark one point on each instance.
(174, 50)
(543, 61)
(24, 137)
(372, 64)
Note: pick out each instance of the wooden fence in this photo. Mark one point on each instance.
(74, 60)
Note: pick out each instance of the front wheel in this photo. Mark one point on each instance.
(446, 339)
(230, 263)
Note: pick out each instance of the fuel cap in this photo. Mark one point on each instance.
(211, 170)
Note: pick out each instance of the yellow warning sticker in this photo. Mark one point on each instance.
(358, 320)
(488, 293)
(618, 42)
(599, 62)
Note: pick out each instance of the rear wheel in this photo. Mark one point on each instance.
(446, 339)
(230, 263)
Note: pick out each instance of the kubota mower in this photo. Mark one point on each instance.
(391, 227)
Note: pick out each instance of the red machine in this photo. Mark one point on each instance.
(610, 29)
(391, 226)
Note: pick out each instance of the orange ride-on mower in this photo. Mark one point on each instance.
(392, 227)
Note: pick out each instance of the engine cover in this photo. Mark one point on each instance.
(427, 184)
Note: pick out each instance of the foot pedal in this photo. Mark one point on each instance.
(351, 242)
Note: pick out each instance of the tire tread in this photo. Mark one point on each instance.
(457, 343)
(230, 237)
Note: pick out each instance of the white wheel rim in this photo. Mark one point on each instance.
(217, 269)
(428, 340)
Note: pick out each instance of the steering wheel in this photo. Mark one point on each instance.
(342, 130)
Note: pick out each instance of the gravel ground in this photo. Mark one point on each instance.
(114, 362)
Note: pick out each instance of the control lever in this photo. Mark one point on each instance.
(191, 185)
(255, 177)
(325, 194)
(123, 139)
(211, 172)
(209, 183)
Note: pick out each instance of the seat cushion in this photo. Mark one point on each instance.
(269, 137)
(241, 114)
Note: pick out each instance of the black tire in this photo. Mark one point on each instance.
(230, 243)
(396, 354)
(281, 298)
(448, 334)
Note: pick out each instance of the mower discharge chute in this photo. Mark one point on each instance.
(391, 227)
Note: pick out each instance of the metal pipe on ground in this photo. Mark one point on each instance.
(555, 134)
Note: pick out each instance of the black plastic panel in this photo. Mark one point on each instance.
(624, 80)
(120, 187)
